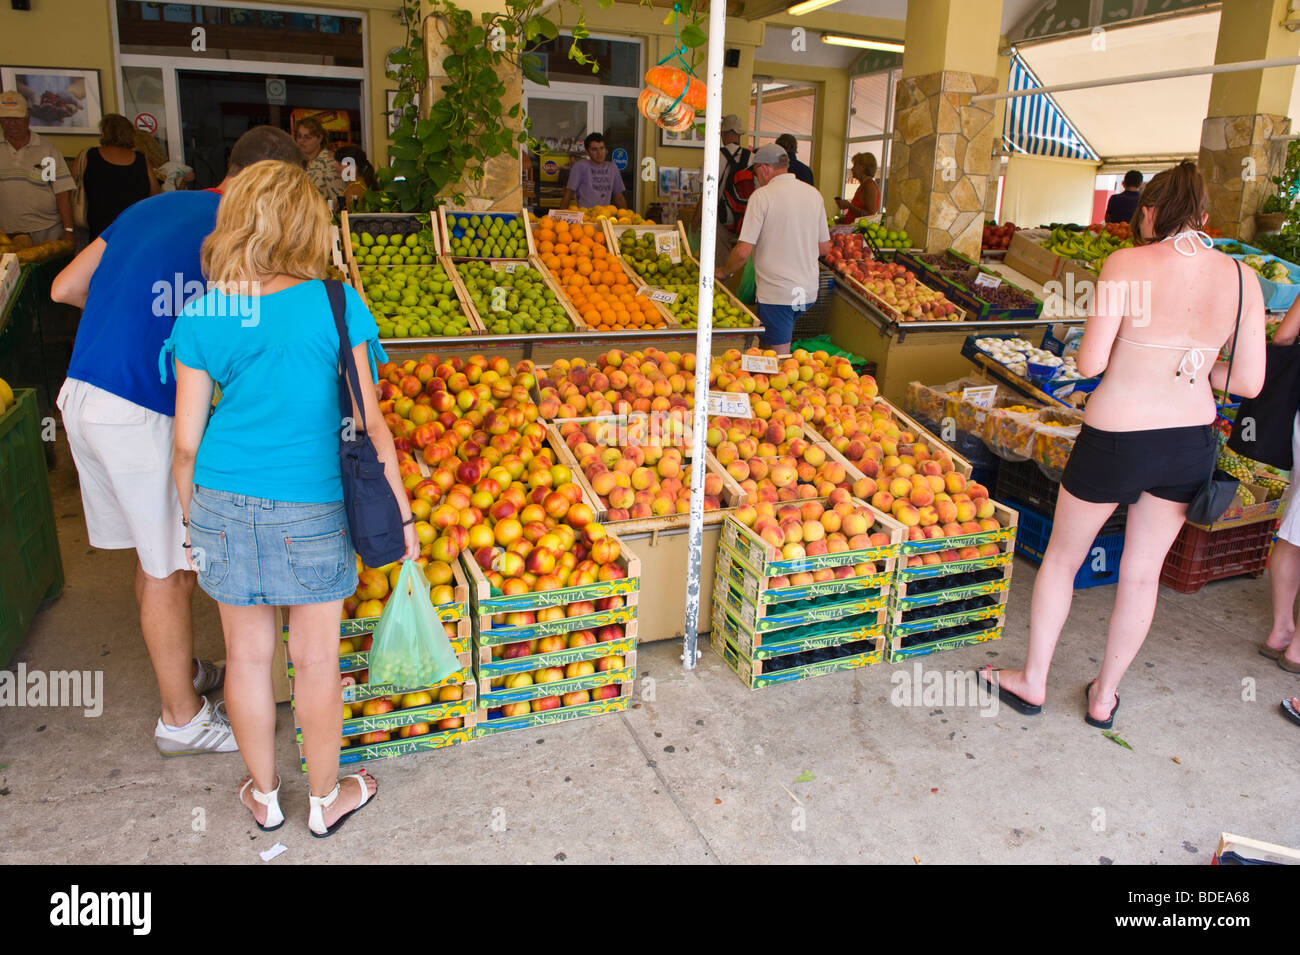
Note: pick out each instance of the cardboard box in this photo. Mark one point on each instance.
(1238, 515)
(732, 568)
(759, 616)
(908, 594)
(943, 616)
(765, 644)
(1031, 259)
(921, 647)
(489, 726)
(753, 675)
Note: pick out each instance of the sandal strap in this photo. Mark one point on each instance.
(264, 799)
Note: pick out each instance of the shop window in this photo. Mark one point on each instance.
(240, 33)
(780, 106)
(870, 126)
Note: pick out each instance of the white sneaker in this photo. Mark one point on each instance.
(209, 677)
(208, 732)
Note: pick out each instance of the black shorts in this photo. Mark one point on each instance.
(1115, 467)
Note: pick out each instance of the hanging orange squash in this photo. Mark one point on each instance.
(671, 98)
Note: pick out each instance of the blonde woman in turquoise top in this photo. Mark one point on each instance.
(259, 481)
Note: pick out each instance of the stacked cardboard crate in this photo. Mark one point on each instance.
(382, 720)
(777, 619)
(554, 655)
(952, 591)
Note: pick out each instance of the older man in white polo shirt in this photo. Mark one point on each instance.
(785, 230)
(35, 185)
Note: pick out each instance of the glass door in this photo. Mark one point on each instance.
(560, 123)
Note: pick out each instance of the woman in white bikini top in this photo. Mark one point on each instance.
(1161, 314)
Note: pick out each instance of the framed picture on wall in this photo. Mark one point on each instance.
(669, 181)
(58, 101)
(691, 136)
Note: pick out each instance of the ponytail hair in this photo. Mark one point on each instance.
(1180, 201)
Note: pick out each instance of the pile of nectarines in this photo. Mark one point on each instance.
(636, 468)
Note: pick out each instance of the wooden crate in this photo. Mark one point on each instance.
(719, 288)
(447, 230)
(510, 265)
(462, 298)
(421, 221)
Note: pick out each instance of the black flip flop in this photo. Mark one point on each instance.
(1087, 702)
(1288, 708)
(1021, 706)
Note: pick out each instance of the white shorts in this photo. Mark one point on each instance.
(123, 454)
(1289, 529)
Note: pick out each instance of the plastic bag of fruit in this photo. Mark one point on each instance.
(1010, 434)
(1054, 440)
(411, 649)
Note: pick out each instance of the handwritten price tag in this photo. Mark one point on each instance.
(657, 294)
(666, 243)
(728, 403)
(565, 215)
(988, 280)
(510, 267)
(763, 364)
(981, 396)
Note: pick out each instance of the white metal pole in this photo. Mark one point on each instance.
(704, 328)
(1243, 66)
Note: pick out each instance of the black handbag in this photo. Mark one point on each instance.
(1265, 423)
(374, 518)
(1221, 487)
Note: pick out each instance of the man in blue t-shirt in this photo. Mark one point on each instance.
(132, 282)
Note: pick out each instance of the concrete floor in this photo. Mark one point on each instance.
(701, 770)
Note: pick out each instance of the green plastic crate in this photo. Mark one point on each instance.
(31, 571)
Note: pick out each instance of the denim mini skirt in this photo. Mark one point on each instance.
(250, 551)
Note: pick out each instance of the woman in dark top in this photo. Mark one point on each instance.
(114, 175)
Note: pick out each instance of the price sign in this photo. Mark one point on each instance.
(731, 404)
(988, 280)
(510, 267)
(666, 243)
(336, 248)
(565, 215)
(763, 364)
(657, 294)
(981, 396)
(841, 230)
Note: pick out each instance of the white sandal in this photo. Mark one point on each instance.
(271, 800)
(316, 819)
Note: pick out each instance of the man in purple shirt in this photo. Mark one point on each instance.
(594, 181)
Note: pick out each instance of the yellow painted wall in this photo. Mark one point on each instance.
(1249, 30)
(79, 34)
(952, 35)
(1040, 190)
(71, 34)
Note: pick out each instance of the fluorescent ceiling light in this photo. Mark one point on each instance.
(808, 6)
(861, 43)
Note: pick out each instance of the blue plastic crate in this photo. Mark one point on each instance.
(1099, 569)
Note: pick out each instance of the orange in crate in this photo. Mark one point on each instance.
(593, 279)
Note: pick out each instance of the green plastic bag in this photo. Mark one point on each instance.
(748, 290)
(411, 649)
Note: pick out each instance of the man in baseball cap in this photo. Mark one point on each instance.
(785, 230)
(35, 184)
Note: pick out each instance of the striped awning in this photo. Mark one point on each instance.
(1035, 125)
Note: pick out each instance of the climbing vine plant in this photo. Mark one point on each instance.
(466, 126)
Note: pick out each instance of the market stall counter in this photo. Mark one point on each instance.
(908, 351)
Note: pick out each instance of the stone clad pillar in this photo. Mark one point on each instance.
(942, 149)
(1238, 156)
